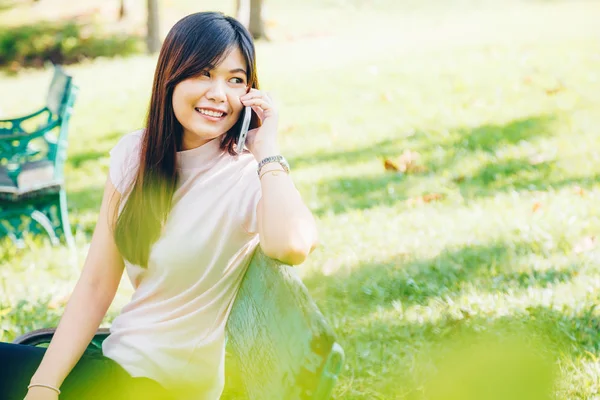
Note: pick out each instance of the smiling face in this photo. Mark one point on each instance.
(208, 105)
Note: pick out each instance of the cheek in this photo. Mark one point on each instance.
(181, 103)
(236, 105)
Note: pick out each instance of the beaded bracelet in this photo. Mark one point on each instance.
(57, 390)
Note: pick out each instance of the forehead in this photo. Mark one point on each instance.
(233, 60)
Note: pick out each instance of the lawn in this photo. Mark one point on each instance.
(427, 275)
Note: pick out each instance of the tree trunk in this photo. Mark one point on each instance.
(243, 11)
(250, 14)
(153, 36)
(123, 10)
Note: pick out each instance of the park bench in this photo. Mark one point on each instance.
(279, 345)
(33, 151)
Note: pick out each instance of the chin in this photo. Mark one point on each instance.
(207, 136)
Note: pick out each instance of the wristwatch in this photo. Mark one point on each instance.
(278, 159)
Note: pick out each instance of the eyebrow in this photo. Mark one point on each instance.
(233, 71)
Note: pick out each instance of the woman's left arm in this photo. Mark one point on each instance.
(286, 227)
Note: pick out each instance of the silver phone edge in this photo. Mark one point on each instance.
(244, 127)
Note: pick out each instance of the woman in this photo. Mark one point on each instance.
(183, 213)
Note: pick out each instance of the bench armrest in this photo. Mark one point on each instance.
(8, 134)
(17, 121)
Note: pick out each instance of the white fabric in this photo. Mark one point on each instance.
(173, 329)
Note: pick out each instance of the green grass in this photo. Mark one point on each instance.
(405, 284)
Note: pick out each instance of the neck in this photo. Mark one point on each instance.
(192, 141)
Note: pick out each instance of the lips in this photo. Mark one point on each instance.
(210, 112)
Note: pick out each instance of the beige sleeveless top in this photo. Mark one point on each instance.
(173, 329)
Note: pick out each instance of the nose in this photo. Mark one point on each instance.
(216, 92)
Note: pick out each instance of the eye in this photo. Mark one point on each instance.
(205, 73)
(239, 81)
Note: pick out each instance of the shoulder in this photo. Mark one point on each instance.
(124, 159)
(127, 147)
(129, 141)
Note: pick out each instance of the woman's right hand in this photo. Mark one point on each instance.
(41, 393)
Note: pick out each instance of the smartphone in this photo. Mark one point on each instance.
(241, 141)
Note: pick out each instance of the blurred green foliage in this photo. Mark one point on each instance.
(62, 43)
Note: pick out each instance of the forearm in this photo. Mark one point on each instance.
(288, 227)
(81, 319)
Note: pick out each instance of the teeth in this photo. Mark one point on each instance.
(210, 113)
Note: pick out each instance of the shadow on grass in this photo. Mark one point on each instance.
(368, 309)
(513, 174)
(342, 195)
(486, 138)
(383, 148)
(388, 188)
(519, 175)
(490, 137)
(494, 268)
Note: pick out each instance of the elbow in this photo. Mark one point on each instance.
(291, 254)
(294, 257)
(293, 249)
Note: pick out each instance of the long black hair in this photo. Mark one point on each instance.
(195, 43)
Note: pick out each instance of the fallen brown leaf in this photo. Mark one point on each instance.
(390, 165)
(407, 163)
(427, 198)
(556, 89)
(552, 92)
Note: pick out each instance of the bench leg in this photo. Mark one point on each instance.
(63, 217)
(45, 223)
(47, 215)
